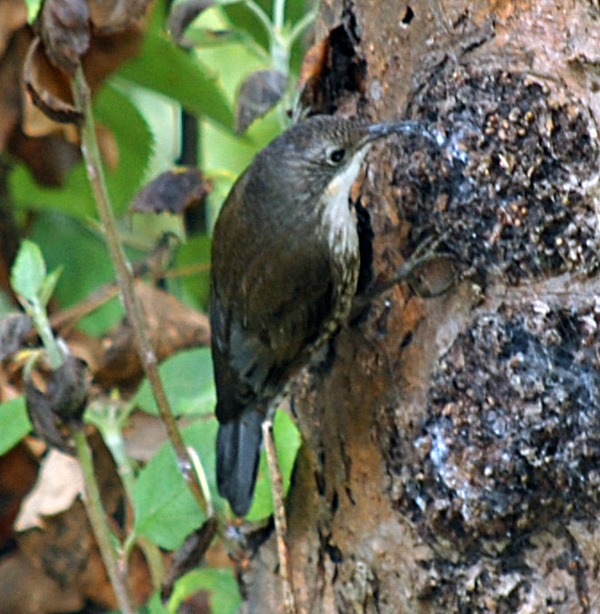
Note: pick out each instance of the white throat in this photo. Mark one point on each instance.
(339, 220)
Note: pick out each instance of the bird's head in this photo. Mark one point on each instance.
(324, 153)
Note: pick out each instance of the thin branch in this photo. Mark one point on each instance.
(110, 423)
(125, 279)
(285, 566)
(97, 516)
(279, 14)
(199, 469)
(68, 317)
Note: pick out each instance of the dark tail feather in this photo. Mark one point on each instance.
(238, 453)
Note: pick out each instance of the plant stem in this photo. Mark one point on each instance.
(95, 512)
(44, 330)
(279, 15)
(279, 515)
(126, 282)
(110, 426)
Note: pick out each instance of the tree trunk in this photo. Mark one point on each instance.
(452, 453)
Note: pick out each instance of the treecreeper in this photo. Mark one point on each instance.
(285, 266)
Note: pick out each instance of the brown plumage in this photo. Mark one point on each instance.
(285, 265)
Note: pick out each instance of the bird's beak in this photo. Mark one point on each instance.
(377, 131)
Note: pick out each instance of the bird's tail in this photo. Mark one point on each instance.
(238, 453)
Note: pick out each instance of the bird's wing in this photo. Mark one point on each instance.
(263, 322)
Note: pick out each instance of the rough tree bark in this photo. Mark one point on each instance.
(452, 455)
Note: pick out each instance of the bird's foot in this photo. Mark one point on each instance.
(427, 252)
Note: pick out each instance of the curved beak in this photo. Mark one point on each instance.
(378, 131)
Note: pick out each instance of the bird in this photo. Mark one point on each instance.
(284, 270)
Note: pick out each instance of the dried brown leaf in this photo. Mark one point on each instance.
(26, 589)
(259, 92)
(59, 483)
(49, 157)
(181, 15)
(108, 50)
(11, 96)
(14, 330)
(56, 397)
(13, 15)
(107, 143)
(189, 555)
(64, 26)
(171, 326)
(50, 92)
(65, 550)
(173, 191)
(18, 471)
(110, 16)
(68, 39)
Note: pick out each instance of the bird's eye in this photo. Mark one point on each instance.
(337, 155)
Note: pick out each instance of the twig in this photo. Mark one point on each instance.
(109, 418)
(131, 304)
(279, 14)
(199, 469)
(95, 512)
(67, 318)
(152, 263)
(285, 567)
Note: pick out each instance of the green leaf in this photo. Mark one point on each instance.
(203, 37)
(220, 583)
(287, 441)
(165, 510)
(29, 271)
(193, 289)
(14, 423)
(86, 265)
(246, 20)
(166, 69)
(74, 197)
(134, 139)
(49, 285)
(188, 381)
(33, 8)
(155, 605)
(258, 93)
